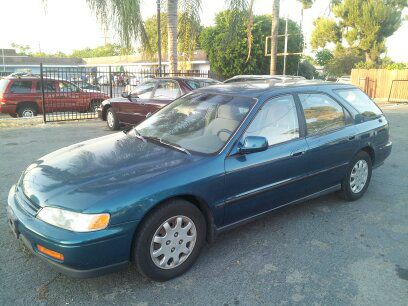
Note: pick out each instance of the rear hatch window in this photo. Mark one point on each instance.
(3, 85)
(360, 101)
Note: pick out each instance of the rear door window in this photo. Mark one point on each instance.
(49, 86)
(360, 101)
(167, 90)
(322, 113)
(19, 87)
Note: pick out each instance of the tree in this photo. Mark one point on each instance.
(229, 59)
(274, 36)
(362, 25)
(323, 57)
(172, 34)
(126, 18)
(187, 42)
(105, 50)
(342, 62)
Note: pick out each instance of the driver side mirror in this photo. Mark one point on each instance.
(253, 144)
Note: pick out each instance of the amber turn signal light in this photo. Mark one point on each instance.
(50, 253)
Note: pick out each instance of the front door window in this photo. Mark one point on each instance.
(277, 121)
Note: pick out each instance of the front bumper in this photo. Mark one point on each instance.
(85, 254)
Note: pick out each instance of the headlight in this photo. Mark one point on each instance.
(73, 221)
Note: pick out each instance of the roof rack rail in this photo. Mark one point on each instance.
(23, 74)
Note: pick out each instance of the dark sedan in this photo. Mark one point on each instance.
(213, 159)
(146, 99)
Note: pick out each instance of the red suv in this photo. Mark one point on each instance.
(22, 96)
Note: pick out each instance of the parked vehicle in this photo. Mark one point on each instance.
(247, 78)
(346, 79)
(213, 159)
(22, 96)
(87, 87)
(146, 99)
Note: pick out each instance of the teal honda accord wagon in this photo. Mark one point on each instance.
(215, 158)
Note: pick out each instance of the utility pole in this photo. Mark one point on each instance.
(285, 53)
(159, 37)
(285, 50)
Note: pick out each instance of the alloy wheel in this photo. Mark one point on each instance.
(110, 119)
(27, 113)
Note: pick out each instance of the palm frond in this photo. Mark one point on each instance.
(124, 16)
(189, 30)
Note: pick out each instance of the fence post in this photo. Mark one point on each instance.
(43, 93)
(110, 82)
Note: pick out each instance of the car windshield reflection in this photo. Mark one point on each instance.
(198, 122)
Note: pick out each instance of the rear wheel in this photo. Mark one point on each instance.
(112, 120)
(27, 111)
(358, 177)
(94, 105)
(169, 241)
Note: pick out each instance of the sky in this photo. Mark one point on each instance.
(68, 25)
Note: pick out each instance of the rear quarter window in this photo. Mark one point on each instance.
(21, 87)
(3, 85)
(360, 101)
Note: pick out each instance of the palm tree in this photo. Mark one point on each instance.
(274, 35)
(244, 5)
(172, 34)
(127, 20)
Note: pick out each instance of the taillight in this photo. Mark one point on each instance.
(2, 99)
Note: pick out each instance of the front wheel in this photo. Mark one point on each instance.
(358, 177)
(112, 120)
(169, 241)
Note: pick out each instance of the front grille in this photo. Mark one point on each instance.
(25, 203)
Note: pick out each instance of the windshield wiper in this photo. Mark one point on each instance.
(168, 144)
(137, 134)
(177, 147)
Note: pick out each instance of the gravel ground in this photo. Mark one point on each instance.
(321, 252)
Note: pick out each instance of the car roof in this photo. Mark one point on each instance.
(185, 78)
(266, 76)
(256, 89)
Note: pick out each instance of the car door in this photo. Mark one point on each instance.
(262, 181)
(134, 110)
(70, 97)
(52, 100)
(331, 138)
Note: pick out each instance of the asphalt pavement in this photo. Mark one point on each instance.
(321, 252)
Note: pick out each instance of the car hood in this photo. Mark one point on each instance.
(78, 176)
(115, 100)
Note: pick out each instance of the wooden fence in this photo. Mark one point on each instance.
(390, 85)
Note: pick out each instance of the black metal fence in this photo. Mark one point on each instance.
(74, 93)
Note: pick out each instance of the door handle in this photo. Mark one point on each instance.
(297, 153)
(352, 137)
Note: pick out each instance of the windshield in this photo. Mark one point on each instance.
(200, 122)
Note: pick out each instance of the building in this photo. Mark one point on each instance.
(11, 62)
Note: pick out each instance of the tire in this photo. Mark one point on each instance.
(94, 105)
(112, 119)
(27, 111)
(174, 246)
(356, 182)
